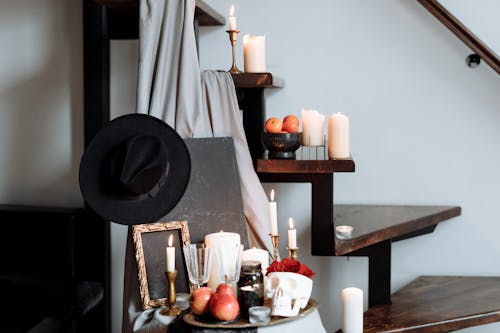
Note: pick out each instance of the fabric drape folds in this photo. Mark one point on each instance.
(171, 87)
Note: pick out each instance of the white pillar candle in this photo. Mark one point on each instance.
(312, 128)
(352, 310)
(254, 53)
(232, 19)
(338, 136)
(292, 235)
(259, 255)
(273, 214)
(218, 240)
(170, 255)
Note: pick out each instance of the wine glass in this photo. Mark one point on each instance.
(228, 262)
(198, 262)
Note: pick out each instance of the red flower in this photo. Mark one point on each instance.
(290, 265)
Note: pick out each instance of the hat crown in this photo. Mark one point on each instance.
(139, 166)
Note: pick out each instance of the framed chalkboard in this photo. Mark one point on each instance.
(150, 242)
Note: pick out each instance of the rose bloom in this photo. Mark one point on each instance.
(292, 266)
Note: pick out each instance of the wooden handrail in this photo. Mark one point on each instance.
(455, 26)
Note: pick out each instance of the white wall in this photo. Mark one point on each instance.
(425, 128)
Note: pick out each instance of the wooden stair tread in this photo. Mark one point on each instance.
(206, 15)
(303, 166)
(438, 304)
(373, 224)
(257, 80)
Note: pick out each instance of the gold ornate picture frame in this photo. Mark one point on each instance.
(150, 242)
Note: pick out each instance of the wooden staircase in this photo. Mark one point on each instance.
(428, 304)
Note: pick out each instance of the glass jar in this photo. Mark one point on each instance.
(250, 286)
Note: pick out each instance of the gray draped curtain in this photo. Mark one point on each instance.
(171, 87)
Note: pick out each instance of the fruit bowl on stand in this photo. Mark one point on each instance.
(281, 145)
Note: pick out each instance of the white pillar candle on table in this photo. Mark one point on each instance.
(259, 255)
(273, 214)
(352, 310)
(232, 19)
(312, 128)
(170, 255)
(218, 240)
(338, 136)
(292, 235)
(254, 53)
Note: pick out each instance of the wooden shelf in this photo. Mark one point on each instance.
(374, 224)
(257, 80)
(123, 17)
(304, 166)
(438, 304)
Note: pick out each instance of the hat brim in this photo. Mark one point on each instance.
(146, 210)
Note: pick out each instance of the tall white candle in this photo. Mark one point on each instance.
(312, 128)
(292, 235)
(254, 53)
(352, 310)
(338, 136)
(232, 19)
(218, 240)
(258, 255)
(273, 214)
(170, 255)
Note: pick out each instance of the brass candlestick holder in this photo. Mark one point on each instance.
(172, 309)
(233, 38)
(293, 252)
(275, 241)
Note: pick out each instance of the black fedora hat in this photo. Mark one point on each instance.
(135, 170)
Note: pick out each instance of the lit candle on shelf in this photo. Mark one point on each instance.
(232, 19)
(292, 235)
(170, 255)
(312, 128)
(254, 53)
(273, 214)
(218, 240)
(338, 136)
(352, 310)
(257, 254)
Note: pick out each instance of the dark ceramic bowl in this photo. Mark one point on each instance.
(281, 145)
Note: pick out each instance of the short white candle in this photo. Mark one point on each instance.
(338, 136)
(254, 53)
(292, 235)
(343, 231)
(218, 240)
(170, 255)
(259, 255)
(312, 128)
(352, 310)
(273, 214)
(232, 19)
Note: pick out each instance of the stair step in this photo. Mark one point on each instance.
(373, 224)
(438, 304)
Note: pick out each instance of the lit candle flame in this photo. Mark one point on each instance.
(170, 240)
(272, 194)
(231, 11)
(290, 223)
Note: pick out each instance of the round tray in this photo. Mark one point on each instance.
(191, 319)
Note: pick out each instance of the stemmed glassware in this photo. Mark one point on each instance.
(228, 262)
(198, 262)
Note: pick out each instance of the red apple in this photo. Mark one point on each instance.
(273, 125)
(224, 307)
(291, 124)
(200, 300)
(225, 289)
